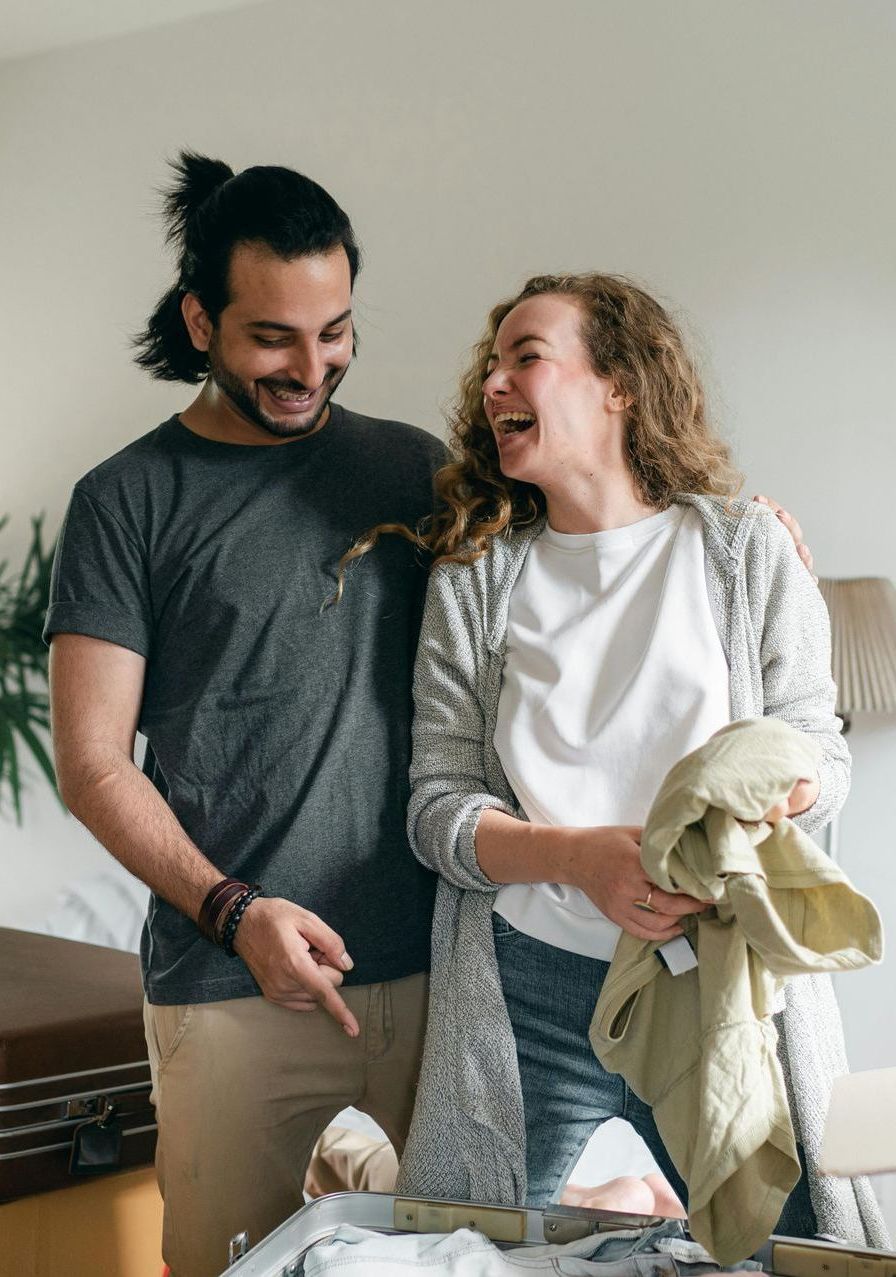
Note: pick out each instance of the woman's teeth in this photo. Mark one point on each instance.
(513, 422)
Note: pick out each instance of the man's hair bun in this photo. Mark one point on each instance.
(196, 179)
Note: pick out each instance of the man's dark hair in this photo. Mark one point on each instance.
(209, 210)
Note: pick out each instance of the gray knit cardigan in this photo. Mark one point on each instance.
(467, 1137)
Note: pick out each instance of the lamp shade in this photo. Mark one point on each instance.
(858, 1133)
(863, 637)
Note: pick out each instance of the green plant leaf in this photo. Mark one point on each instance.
(9, 768)
(40, 754)
(24, 699)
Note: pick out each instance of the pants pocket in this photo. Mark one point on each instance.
(503, 930)
(165, 1030)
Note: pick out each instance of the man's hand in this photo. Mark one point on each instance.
(296, 959)
(608, 869)
(794, 529)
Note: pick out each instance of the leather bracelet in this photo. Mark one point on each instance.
(235, 917)
(228, 899)
(216, 904)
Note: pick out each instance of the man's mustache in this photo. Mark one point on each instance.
(299, 387)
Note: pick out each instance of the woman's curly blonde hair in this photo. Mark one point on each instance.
(634, 343)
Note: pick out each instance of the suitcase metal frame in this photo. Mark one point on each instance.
(282, 1253)
(38, 1118)
(72, 1055)
(58, 1115)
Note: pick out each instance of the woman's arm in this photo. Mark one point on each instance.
(470, 836)
(795, 656)
(456, 825)
(603, 861)
(449, 790)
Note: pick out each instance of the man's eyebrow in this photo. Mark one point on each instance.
(288, 328)
(521, 341)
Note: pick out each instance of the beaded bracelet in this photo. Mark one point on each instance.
(235, 916)
(233, 895)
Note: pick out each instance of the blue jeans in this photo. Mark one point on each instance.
(567, 1093)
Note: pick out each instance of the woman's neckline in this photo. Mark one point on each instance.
(629, 533)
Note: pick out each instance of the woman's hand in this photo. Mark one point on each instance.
(800, 799)
(607, 867)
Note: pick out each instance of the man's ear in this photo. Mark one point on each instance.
(196, 317)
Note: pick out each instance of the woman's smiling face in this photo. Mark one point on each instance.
(547, 407)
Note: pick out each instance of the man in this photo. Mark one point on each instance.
(188, 602)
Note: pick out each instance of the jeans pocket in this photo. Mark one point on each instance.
(502, 929)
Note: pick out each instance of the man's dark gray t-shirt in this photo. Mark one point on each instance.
(278, 731)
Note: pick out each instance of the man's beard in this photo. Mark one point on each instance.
(245, 398)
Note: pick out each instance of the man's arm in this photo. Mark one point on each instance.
(96, 690)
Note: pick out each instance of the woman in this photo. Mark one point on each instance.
(599, 606)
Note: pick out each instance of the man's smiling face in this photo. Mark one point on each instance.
(284, 341)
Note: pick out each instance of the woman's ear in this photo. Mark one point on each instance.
(618, 400)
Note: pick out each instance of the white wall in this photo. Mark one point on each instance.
(737, 157)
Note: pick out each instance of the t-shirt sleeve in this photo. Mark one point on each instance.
(99, 584)
(440, 454)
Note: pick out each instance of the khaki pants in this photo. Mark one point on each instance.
(244, 1088)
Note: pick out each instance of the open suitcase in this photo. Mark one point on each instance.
(74, 1077)
(282, 1254)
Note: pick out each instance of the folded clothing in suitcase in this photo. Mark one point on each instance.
(74, 1077)
(659, 1251)
(623, 1245)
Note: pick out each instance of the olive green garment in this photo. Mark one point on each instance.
(700, 1047)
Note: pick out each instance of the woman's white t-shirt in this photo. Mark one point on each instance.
(614, 671)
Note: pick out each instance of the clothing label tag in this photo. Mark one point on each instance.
(677, 956)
